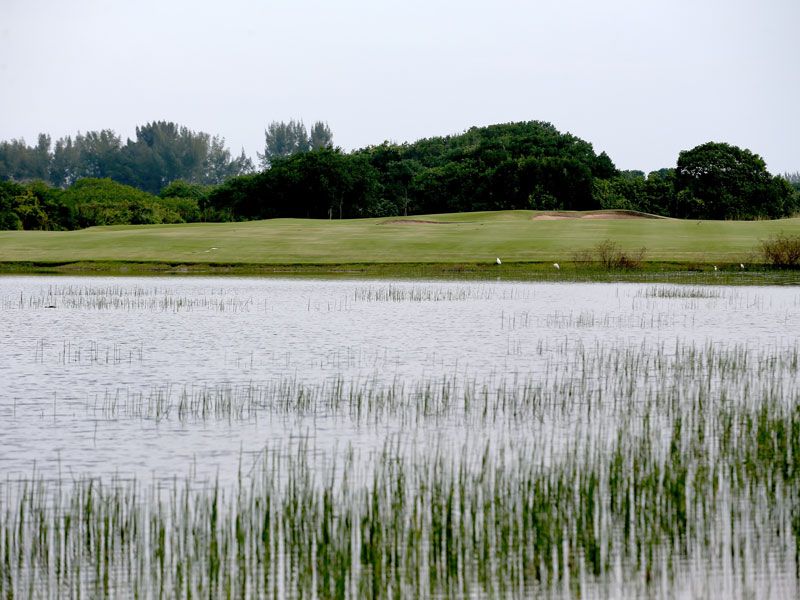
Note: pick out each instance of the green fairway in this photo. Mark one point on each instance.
(514, 236)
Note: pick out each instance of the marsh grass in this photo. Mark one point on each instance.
(715, 485)
(661, 291)
(601, 469)
(674, 458)
(598, 384)
(126, 298)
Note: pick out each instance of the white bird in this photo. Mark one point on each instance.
(498, 261)
(741, 266)
(715, 267)
(556, 265)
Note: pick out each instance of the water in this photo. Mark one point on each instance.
(122, 338)
(163, 379)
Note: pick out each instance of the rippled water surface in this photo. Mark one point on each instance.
(71, 347)
(164, 379)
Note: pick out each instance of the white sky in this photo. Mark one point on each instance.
(640, 79)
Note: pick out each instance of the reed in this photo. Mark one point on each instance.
(715, 485)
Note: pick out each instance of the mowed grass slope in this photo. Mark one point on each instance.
(449, 238)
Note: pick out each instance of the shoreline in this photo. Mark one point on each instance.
(648, 272)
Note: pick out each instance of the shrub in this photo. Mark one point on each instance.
(179, 210)
(608, 254)
(782, 250)
(9, 220)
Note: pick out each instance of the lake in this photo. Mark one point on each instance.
(445, 438)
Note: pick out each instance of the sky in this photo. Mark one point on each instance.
(639, 79)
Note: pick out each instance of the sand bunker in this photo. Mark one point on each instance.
(605, 214)
(413, 222)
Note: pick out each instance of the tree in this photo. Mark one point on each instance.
(106, 202)
(30, 211)
(243, 197)
(448, 188)
(65, 167)
(603, 167)
(99, 154)
(219, 166)
(283, 139)
(558, 183)
(398, 176)
(163, 152)
(321, 136)
(727, 182)
(312, 185)
(20, 162)
(9, 192)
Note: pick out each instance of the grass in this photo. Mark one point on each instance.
(700, 482)
(447, 240)
(652, 469)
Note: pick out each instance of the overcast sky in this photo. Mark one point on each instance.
(640, 79)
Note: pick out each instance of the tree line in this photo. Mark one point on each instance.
(170, 174)
(161, 152)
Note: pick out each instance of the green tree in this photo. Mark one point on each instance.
(99, 153)
(244, 197)
(21, 162)
(106, 202)
(793, 179)
(660, 196)
(727, 182)
(9, 191)
(219, 166)
(320, 136)
(398, 177)
(558, 182)
(65, 167)
(185, 200)
(283, 139)
(30, 211)
(447, 188)
(163, 152)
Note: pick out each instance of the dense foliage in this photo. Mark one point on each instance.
(91, 201)
(520, 165)
(95, 180)
(161, 153)
(285, 139)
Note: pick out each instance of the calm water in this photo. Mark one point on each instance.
(83, 360)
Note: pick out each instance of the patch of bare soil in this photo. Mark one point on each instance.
(413, 222)
(553, 217)
(606, 214)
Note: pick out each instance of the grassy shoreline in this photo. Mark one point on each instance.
(666, 272)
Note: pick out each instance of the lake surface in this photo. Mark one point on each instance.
(72, 346)
(160, 379)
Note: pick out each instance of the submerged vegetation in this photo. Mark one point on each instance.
(624, 448)
(690, 487)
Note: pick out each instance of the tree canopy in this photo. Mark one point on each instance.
(285, 139)
(728, 182)
(94, 178)
(161, 153)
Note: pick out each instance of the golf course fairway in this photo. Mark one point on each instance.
(463, 238)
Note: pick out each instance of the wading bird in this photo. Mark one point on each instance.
(556, 265)
(498, 261)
